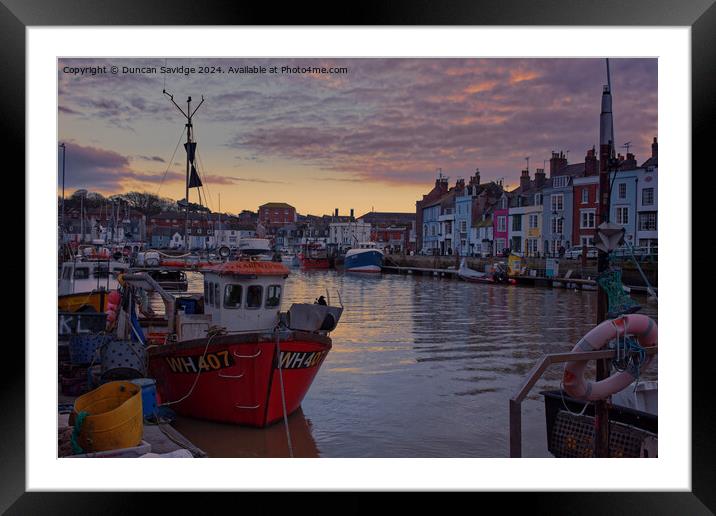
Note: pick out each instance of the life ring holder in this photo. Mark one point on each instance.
(639, 326)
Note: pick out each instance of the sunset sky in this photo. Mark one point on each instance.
(369, 139)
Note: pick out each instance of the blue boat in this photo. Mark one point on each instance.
(365, 258)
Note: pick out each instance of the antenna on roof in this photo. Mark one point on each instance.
(626, 146)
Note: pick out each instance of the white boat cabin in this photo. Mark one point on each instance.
(245, 299)
(84, 276)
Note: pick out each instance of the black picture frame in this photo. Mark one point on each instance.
(700, 15)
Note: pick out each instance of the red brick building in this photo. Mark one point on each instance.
(276, 214)
(393, 239)
(585, 205)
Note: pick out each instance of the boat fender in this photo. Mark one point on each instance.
(640, 326)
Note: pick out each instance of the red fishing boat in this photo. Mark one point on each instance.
(313, 256)
(237, 358)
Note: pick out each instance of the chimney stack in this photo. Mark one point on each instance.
(460, 185)
(629, 163)
(475, 179)
(654, 149)
(591, 165)
(525, 180)
(351, 213)
(557, 162)
(336, 213)
(540, 178)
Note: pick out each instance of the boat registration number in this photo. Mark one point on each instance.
(196, 363)
(301, 359)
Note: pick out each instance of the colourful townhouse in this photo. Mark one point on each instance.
(525, 215)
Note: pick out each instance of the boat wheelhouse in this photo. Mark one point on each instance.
(85, 280)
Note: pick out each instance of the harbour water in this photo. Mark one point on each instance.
(421, 366)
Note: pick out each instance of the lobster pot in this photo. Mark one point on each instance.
(632, 433)
(83, 347)
(123, 360)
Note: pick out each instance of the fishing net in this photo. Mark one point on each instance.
(619, 302)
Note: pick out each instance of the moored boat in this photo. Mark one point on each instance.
(497, 276)
(86, 279)
(238, 359)
(314, 256)
(365, 258)
(256, 248)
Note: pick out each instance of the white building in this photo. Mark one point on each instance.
(346, 235)
(647, 197)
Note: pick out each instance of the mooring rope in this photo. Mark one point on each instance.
(196, 379)
(283, 393)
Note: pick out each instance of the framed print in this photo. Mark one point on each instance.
(372, 255)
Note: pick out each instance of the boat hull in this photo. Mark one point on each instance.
(368, 260)
(314, 263)
(84, 302)
(239, 381)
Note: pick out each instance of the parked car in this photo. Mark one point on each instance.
(575, 253)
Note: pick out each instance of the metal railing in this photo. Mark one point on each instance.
(535, 374)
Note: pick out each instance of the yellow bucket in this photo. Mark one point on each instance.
(114, 419)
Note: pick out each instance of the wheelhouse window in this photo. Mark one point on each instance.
(101, 272)
(217, 296)
(81, 273)
(209, 293)
(273, 296)
(67, 273)
(232, 296)
(253, 296)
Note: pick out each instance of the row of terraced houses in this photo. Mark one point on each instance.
(545, 215)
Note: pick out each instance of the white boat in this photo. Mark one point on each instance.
(287, 257)
(256, 248)
(498, 275)
(92, 270)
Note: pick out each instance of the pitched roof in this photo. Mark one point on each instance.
(276, 205)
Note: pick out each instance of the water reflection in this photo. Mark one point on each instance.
(421, 366)
(224, 440)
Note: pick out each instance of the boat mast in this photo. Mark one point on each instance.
(189, 152)
(606, 168)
